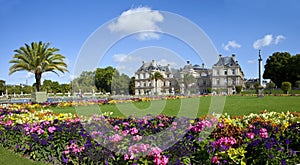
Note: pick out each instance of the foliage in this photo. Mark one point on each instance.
(85, 82)
(55, 87)
(2, 86)
(281, 66)
(103, 78)
(156, 76)
(120, 83)
(238, 89)
(37, 58)
(132, 86)
(266, 138)
(286, 86)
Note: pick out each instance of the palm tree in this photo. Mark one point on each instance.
(156, 76)
(37, 58)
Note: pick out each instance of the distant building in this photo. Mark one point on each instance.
(145, 84)
(226, 75)
(252, 81)
(201, 81)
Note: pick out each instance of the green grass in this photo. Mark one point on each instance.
(234, 105)
(8, 157)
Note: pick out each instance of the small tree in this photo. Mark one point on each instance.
(286, 86)
(238, 89)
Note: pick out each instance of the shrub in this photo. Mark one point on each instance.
(286, 86)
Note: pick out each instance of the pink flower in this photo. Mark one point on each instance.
(125, 124)
(161, 125)
(66, 152)
(250, 135)
(215, 160)
(137, 138)
(46, 122)
(164, 160)
(115, 138)
(155, 151)
(134, 131)
(116, 127)
(125, 132)
(51, 129)
(263, 133)
(157, 161)
(9, 123)
(40, 131)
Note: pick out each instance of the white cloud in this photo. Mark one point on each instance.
(231, 44)
(267, 41)
(138, 20)
(278, 39)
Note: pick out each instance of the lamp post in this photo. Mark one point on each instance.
(260, 88)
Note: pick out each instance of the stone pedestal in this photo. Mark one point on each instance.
(39, 97)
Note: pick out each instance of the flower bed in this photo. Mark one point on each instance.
(266, 138)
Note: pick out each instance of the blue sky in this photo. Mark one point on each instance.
(233, 26)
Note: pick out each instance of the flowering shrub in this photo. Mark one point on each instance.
(266, 138)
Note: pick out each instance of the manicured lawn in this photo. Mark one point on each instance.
(234, 105)
(8, 157)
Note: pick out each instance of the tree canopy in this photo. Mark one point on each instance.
(37, 58)
(282, 66)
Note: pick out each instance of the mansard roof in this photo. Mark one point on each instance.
(152, 66)
(226, 61)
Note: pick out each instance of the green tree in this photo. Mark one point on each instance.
(2, 87)
(65, 88)
(276, 67)
(270, 85)
(132, 86)
(238, 89)
(27, 89)
(47, 86)
(120, 83)
(281, 66)
(103, 78)
(293, 69)
(156, 76)
(286, 86)
(85, 82)
(37, 58)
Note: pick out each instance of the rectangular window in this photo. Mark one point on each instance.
(218, 81)
(225, 72)
(233, 71)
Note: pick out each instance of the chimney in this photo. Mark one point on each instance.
(233, 57)
(202, 65)
(188, 61)
(220, 56)
(153, 62)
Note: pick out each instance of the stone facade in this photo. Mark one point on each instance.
(145, 84)
(224, 76)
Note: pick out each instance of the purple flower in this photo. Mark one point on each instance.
(283, 162)
(65, 160)
(287, 141)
